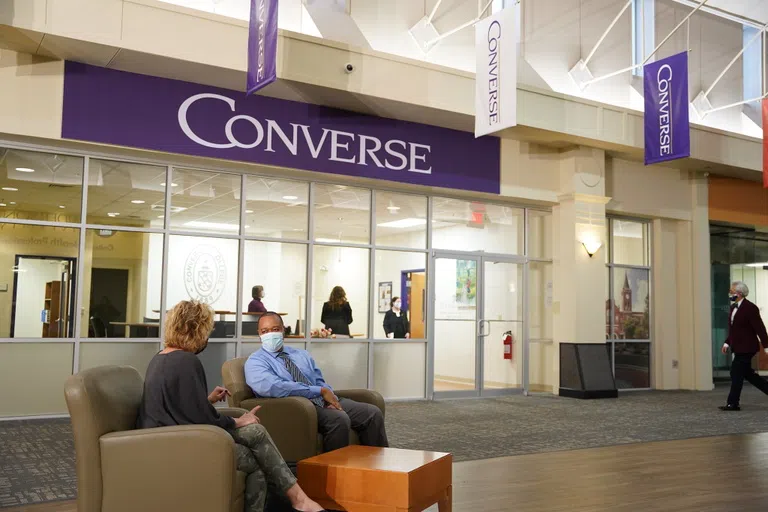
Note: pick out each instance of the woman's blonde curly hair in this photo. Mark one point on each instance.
(188, 326)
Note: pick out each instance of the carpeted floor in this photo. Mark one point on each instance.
(37, 456)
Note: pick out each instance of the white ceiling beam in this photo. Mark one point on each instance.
(722, 13)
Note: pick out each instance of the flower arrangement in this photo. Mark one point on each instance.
(322, 333)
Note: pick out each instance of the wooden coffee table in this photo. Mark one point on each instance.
(367, 479)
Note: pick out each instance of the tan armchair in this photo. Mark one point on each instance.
(120, 469)
(291, 421)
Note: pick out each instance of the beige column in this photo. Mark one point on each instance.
(699, 346)
(580, 280)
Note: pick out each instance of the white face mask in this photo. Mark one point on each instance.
(398, 304)
(272, 341)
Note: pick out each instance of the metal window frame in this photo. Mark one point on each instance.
(170, 165)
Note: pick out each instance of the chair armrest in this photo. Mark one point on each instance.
(366, 396)
(291, 422)
(189, 467)
(232, 412)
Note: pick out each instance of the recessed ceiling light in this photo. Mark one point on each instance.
(290, 198)
(404, 223)
(10, 189)
(24, 169)
(248, 211)
(172, 184)
(12, 202)
(161, 216)
(62, 206)
(138, 201)
(113, 214)
(2, 204)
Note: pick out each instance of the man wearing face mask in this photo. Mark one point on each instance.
(745, 328)
(277, 371)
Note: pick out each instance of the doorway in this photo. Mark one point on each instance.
(478, 325)
(109, 302)
(414, 297)
(43, 297)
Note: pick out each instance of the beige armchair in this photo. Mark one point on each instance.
(121, 469)
(291, 421)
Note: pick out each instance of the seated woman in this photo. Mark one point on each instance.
(175, 394)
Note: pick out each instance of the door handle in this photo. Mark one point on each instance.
(480, 331)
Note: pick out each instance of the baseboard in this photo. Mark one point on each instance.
(590, 394)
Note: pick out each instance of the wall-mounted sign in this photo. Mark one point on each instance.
(667, 128)
(128, 109)
(496, 72)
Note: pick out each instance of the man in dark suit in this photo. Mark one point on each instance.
(745, 328)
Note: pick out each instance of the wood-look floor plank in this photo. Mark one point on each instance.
(715, 474)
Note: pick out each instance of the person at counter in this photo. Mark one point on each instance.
(256, 306)
(396, 321)
(337, 313)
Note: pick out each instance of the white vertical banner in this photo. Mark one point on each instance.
(496, 76)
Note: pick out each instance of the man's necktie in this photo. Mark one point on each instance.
(299, 377)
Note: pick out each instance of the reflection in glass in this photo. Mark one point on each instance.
(632, 363)
(280, 269)
(465, 225)
(346, 267)
(205, 201)
(455, 324)
(406, 273)
(40, 186)
(276, 208)
(630, 242)
(342, 214)
(122, 277)
(631, 304)
(126, 194)
(401, 220)
(39, 264)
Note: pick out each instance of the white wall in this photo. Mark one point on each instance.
(346, 267)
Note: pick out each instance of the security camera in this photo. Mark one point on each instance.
(349, 68)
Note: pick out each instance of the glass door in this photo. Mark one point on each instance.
(455, 287)
(502, 334)
(478, 328)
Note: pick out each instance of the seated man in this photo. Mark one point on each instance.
(276, 371)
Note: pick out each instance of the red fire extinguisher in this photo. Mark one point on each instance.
(508, 340)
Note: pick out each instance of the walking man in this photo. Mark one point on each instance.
(745, 328)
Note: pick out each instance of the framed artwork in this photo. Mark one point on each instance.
(466, 283)
(385, 296)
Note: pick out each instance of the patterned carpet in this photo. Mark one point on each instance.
(37, 456)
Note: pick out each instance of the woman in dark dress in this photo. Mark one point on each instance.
(395, 321)
(337, 313)
(175, 392)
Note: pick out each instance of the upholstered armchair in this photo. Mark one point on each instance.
(121, 469)
(290, 421)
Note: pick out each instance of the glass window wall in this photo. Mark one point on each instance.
(79, 291)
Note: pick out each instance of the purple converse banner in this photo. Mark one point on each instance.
(262, 45)
(667, 128)
(126, 109)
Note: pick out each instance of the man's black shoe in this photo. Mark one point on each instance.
(730, 407)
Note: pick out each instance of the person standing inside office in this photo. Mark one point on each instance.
(256, 306)
(745, 328)
(396, 321)
(337, 313)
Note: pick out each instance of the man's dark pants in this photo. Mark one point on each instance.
(365, 419)
(741, 370)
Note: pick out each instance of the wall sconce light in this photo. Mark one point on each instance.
(592, 246)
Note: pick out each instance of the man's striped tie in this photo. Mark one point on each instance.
(299, 377)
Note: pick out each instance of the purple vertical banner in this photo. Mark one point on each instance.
(262, 44)
(667, 128)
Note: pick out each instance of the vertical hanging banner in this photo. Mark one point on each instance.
(765, 142)
(262, 45)
(496, 74)
(667, 128)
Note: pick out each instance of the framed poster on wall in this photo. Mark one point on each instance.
(385, 296)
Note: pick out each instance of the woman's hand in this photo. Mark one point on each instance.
(407, 335)
(248, 418)
(219, 394)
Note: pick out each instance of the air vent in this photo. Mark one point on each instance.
(54, 185)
